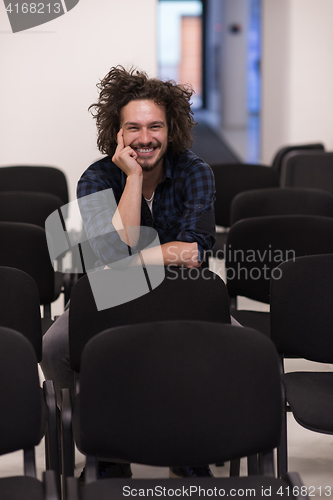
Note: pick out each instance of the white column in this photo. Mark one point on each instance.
(297, 74)
(234, 64)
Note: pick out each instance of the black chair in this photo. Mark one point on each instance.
(20, 311)
(37, 180)
(20, 308)
(34, 208)
(23, 246)
(231, 179)
(41, 179)
(302, 326)
(308, 169)
(284, 151)
(21, 418)
(256, 246)
(27, 206)
(281, 201)
(184, 294)
(179, 392)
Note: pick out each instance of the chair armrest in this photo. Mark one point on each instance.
(67, 441)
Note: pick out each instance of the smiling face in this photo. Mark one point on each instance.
(145, 130)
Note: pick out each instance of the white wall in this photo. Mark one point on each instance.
(297, 74)
(49, 75)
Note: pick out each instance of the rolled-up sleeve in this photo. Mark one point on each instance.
(97, 208)
(198, 217)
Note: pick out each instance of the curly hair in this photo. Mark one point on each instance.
(120, 86)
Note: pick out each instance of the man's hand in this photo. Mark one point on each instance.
(125, 157)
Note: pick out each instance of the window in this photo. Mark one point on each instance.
(180, 44)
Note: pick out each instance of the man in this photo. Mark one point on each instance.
(144, 127)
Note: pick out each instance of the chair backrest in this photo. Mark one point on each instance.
(30, 178)
(20, 309)
(308, 169)
(302, 308)
(23, 246)
(184, 294)
(27, 206)
(20, 397)
(281, 201)
(256, 246)
(179, 392)
(231, 179)
(281, 153)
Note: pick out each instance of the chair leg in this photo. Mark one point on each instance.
(235, 467)
(252, 465)
(282, 451)
(52, 445)
(67, 441)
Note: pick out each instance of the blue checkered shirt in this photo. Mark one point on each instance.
(183, 205)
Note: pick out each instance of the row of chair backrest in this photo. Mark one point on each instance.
(281, 201)
(28, 195)
(256, 246)
(37, 179)
(272, 223)
(305, 166)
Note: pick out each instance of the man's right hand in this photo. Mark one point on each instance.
(125, 157)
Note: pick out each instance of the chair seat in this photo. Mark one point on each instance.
(22, 487)
(310, 396)
(118, 488)
(259, 320)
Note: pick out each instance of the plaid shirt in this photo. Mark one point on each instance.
(183, 205)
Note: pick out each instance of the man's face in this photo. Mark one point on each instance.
(145, 131)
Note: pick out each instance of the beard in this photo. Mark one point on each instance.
(145, 163)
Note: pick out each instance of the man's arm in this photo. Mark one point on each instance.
(128, 215)
(198, 219)
(180, 253)
(127, 218)
(174, 253)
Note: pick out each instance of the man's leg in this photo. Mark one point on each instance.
(55, 361)
(56, 367)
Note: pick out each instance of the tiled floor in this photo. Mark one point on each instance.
(310, 453)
